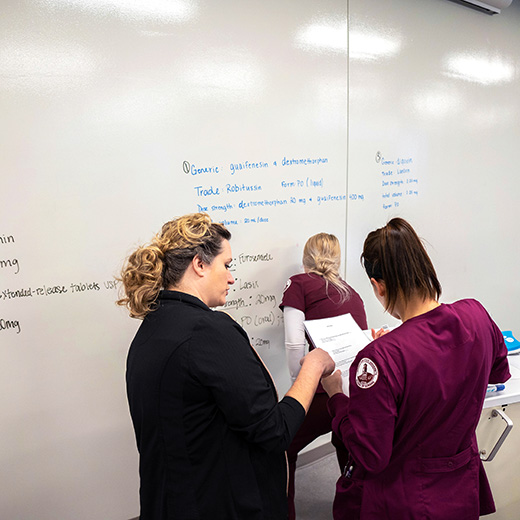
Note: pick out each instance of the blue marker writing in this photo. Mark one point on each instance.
(495, 388)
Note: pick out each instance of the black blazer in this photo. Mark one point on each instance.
(210, 431)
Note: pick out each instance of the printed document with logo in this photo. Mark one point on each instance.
(341, 337)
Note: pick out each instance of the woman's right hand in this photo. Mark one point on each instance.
(319, 356)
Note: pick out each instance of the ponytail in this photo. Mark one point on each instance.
(322, 256)
(396, 255)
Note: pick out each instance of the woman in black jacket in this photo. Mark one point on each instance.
(210, 430)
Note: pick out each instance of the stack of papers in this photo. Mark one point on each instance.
(341, 337)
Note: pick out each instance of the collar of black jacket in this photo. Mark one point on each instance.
(165, 296)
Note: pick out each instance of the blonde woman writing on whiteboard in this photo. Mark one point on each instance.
(416, 393)
(210, 431)
(319, 292)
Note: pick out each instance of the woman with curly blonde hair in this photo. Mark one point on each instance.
(210, 431)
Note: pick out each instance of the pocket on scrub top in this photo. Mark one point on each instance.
(448, 486)
(445, 464)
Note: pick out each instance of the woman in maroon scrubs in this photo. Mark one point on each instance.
(318, 292)
(416, 393)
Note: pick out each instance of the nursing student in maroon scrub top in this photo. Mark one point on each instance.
(416, 393)
(317, 293)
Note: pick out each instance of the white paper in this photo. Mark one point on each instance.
(341, 337)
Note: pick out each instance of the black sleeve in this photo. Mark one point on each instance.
(222, 360)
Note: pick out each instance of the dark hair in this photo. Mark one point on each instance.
(396, 255)
(162, 263)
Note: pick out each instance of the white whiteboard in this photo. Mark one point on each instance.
(434, 127)
(116, 116)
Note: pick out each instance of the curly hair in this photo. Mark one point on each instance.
(322, 256)
(162, 263)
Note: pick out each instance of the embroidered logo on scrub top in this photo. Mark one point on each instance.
(367, 373)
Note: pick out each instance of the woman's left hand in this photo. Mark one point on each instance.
(379, 333)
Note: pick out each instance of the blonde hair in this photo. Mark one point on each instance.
(162, 263)
(322, 256)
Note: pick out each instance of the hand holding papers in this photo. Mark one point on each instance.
(341, 337)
